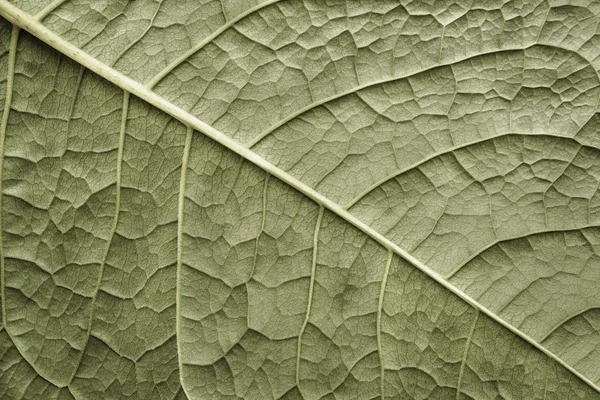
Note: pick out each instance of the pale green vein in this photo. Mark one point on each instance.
(546, 382)
(567, 319)
(508, 239)
(311, 287)
(358, 88)
(30, 365)
(113, 229)
(262, 225)
(179, 60)
(386, 273)
(12, 58)
(451, 150)
(140, 37)
(25, 21)
(180, 208)
(178, 392)
(48, 9)
(465, 355)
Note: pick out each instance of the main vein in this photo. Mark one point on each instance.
(27, 22)
(12, 58)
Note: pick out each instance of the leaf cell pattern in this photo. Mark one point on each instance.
(404, 204)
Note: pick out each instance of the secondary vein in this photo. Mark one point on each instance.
(113, 229)
(450, 150)
(390, 79)
(12, 57)
(465, 354)
(386, 273)
(310, 294)
(179, 60)
(26, 21)
(262, 225)
(48, 9)
(180, 208)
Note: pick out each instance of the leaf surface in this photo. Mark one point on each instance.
(297, 199)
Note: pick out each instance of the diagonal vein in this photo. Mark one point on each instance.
(27, 22)
(452, 150)
(395, 78)
(48, 9)
(134, 42)
(30, 365)
(516, 237)
(181, 59)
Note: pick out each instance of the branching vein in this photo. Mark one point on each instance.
(310, 294)
(384, 278)
(27, 22)
(113, 229)
(466, 354)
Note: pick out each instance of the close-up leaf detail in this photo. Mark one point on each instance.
(300, 199)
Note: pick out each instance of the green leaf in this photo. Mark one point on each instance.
(299, 200)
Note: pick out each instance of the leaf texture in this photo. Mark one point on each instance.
(299, 200)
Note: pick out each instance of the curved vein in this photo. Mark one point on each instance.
(262, 225)
(48, 9)
(311, 287)
(465, 354)
(3, 328)
(133, 43)
(358, 88)
(508, 239)
(182, 58)
(12, 58)
(25, 21)
(451, 150)
(564, 321)
(180, 208)
(112, 231)
(386, 273)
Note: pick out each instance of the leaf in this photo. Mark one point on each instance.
(299, 199)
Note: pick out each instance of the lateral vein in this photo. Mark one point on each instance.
(262, 225)
(452, 150)
(181, 59)
(27, 22)
(465, 354)
(113, 229)
(48, 9)
(386, 273)
(311, 287)
(390, 79)
(180, 208)
(12, 58)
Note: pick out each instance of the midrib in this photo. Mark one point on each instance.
(30, 24)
